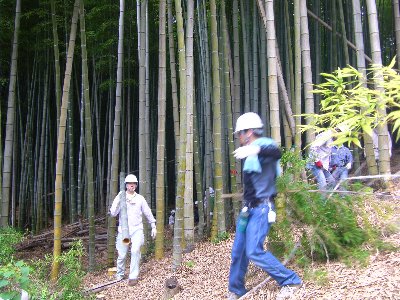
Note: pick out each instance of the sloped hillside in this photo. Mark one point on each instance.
(204, 272)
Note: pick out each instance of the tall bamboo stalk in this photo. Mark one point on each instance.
(297, 72)
(88, 141)
(9, 141)
(228, 107)
(116, 134)
(219, 213)
(61, 145)
(396, 13)
(306, 63)
(174, 89)
(179, 201)
(162, 95)
(188, 194)
(384, 158)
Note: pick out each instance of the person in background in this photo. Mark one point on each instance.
(341, 161)
(260, 169)
(136, 205)
(320, 152)
(171, 219)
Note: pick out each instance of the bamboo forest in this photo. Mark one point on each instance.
(91, 91)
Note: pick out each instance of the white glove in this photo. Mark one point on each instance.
(153, 232)
(348, 166)
(244, 151)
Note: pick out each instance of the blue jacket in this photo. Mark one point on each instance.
(260, 183)
(340, 156)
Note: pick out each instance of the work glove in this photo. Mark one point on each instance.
(153, 232)
(244, 151)
(318, 164)
(348, 166)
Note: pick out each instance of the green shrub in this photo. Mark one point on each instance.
(69, 280)
(14, 276)
(333, 227)
(223, 236)
(317, 276)
(72, 273)
(8, 238)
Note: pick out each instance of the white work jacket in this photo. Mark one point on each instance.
(136, 205)
(321, 148)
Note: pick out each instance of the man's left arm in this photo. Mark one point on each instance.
(150, 218)
(271, 151)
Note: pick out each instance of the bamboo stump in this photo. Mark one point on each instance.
(172, 288)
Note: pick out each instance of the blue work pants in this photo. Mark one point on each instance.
(248, 245)
(324, 178)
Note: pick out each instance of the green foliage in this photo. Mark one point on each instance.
(3, 82)
(14, 276)
(317, 276)
(8, 238)
(190, 264)
(351, 101)
(70, 276)
(291, 163)
(334, 228)
(223, 236)
(72, 273)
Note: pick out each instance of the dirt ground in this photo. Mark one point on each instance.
(204, 272)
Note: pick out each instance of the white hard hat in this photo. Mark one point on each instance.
(343, 127)
(248, 120)
(131, 178)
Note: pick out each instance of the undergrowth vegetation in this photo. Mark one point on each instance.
(33, 276)
(330, 225)
(14, 275)
(68, 285)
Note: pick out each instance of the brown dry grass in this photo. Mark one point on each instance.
(204, 272)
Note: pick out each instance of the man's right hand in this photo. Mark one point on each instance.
(318, 164)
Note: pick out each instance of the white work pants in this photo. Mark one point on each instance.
(137, 240)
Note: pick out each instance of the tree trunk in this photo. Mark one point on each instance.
(219, 212)
(61, 145)
(179, 201)
(397, 29)
(188, 194)
(307, 72)
(88, 141)
(162, 93)
(384, 158)
(359, 40)
(9, 141)
(116, 134)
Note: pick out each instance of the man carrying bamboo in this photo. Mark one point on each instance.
(136, 205)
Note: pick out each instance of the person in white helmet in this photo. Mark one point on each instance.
(260, 169)
(136, 205)
(320, 153)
